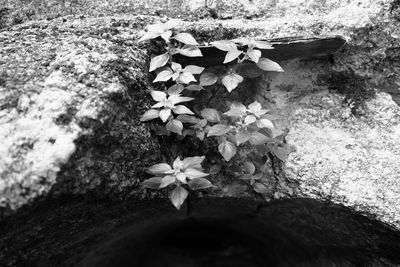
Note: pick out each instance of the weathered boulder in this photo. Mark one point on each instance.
(71, 97)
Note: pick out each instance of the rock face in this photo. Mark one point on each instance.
(346, 159)
(72, 91)
(71, 99)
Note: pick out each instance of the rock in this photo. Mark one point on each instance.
(347, 159)
(72, 92)
(341, 112)
(71, 125)
(192, 5)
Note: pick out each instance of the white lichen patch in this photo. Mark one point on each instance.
(353, 161)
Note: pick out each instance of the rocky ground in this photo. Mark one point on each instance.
(74, 83)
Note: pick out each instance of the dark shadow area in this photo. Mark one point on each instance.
(300, 232)
(219, 232)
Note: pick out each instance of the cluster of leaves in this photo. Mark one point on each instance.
(244, 133)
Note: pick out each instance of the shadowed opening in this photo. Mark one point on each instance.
(302, 233)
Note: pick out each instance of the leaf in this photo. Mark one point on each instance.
(160, 168)
(242, 137)
(190, 51)
(186, 78)
(269, 65)
(194, 87)
(158, 61)
(158, 96)
(254, 55)
(176, 67)
(181, 109)
(199, 183)
(152, 183)
(156, 28)
(175, 99)
(200, 135)
(178, 196)
(236, 110)
(249, 167)
(187, 119)
(181, 177)
(174, 126)
(231, 81)
(194, 173)
(227, 150)
(164, 114)
(260, 188)
(172, 23)
(186, 38)
(264, 123)
(218, 130)
(166, 35)
(164, 76)
(193, 69)
(224, 45)
(263, 45)
(254, 107)
(201, 124)
(175, 76)
(258, 138)
(175, 89)
(208, 78)
(167, 180)
(151, 114)
(210, 114)
(149, 35)
(243, 41)
(232, 55)
(177, 164)
(193, 162)
(249, 119)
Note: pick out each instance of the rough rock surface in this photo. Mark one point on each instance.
(347, 159)
(76, 91)
(342, 113)
(84, 81)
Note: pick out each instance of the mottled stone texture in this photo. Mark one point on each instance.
(71, 97)
(342, 112)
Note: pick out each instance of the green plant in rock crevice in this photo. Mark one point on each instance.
(243, 134)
